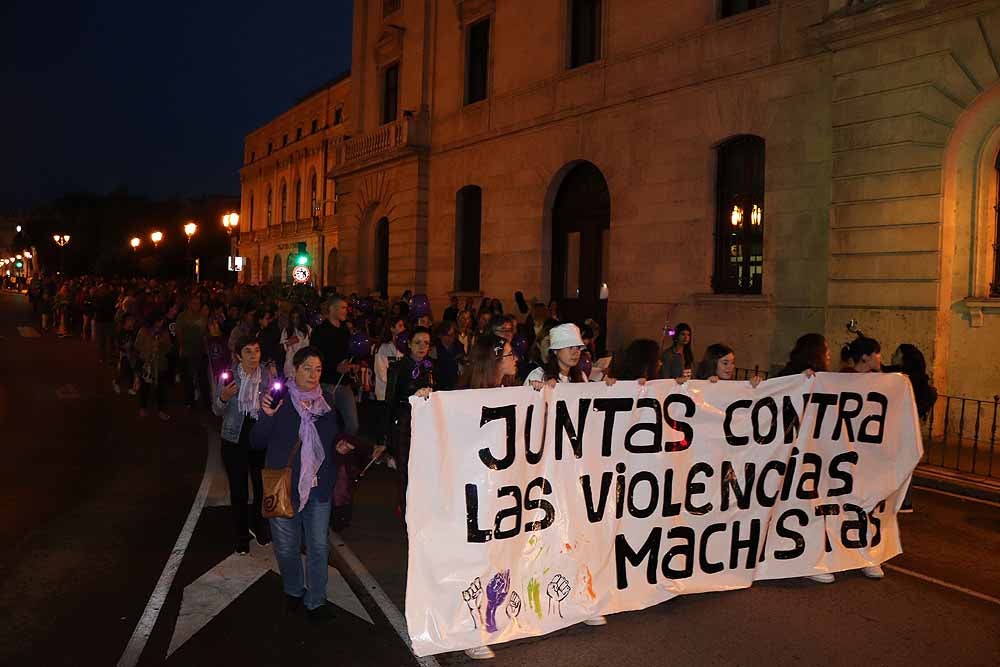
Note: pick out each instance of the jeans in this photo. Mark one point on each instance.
(342, 400)
(314, 521)
(241, 462)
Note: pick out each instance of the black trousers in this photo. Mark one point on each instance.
(160, 389)
(242, 462)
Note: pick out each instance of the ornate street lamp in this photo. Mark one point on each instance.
(135, 243)
(156, 237)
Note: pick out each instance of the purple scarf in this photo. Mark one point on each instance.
(311, 455)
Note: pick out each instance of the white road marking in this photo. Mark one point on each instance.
(956, 495)
(144, 628)
(215, 590)
(392, 614)
(28, 332)
(945, 584)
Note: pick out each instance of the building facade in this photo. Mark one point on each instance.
(286, 202)
(757, 169)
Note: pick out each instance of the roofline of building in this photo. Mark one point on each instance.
(340, 78)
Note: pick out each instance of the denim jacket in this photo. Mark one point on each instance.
(232, 418)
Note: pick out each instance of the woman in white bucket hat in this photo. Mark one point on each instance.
(560, 363)
(561, 366)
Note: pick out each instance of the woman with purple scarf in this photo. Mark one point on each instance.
(302, 415)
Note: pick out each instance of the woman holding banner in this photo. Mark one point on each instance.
(410, 376)
(719, 363)
(811, 355)
(562, 362)
(562, 365)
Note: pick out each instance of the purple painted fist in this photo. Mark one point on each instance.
(496, 593)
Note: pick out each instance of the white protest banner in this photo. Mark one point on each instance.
(529, 512)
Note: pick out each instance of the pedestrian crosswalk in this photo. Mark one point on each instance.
(214, 591)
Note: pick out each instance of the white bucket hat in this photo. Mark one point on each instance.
(563, 336)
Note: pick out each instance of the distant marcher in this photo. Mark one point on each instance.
(237, 401)
(678, 359)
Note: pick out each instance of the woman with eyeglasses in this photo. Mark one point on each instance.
(410, 376)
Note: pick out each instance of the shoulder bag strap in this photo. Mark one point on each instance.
(295, 450)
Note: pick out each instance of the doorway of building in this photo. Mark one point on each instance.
(581, 224)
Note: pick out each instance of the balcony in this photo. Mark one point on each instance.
(405, 136)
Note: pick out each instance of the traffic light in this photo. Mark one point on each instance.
(302, 258)
(19, 264)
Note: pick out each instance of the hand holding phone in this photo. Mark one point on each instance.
(229, 387)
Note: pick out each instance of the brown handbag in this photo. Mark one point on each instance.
(277, 502)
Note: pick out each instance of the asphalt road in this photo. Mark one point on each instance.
(94, 498)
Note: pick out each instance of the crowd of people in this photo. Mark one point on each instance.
(320, 382)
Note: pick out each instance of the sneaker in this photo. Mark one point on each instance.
(596, 621)
(132, 392)
(480, 653)
(873, 571)
(117, 389)
(262, 534)
(292, 604)
(243, 546)
(322, 614)
(825, 578)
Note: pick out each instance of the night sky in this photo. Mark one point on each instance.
(96, 95)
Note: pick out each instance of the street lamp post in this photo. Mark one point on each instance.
(62, 240)
(135, 242)
(156, 237)
(189, 229)
(231, 223)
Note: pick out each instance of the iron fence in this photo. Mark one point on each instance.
(960, 434)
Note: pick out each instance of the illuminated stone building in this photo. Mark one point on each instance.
(756, 169)
(286, 199)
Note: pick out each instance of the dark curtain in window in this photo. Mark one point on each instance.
(731, 7)
(382, 257)
(585, 32)
(477, 62)
(739, 227)
(468, 234)
(390, 93)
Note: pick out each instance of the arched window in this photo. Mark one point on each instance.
(313, 209)
(739, 216)
(468, 230)
(265, 269)
(251, 213)
(331, 267)
(382, 257)
(267, 213)
(276, 269)
(298, 198)
(284, 201)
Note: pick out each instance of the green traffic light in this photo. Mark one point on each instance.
(302, 260)
(19, 264)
